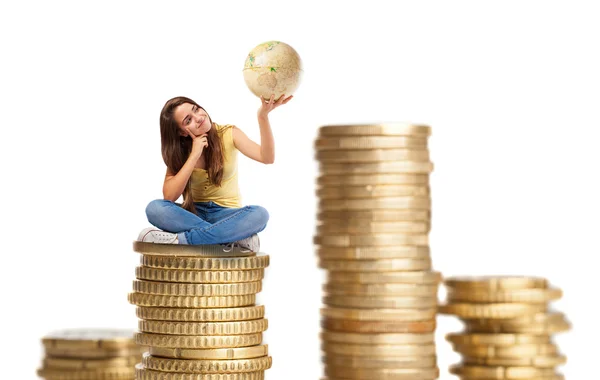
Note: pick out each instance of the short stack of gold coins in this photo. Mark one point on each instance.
(508, 327)
(373, 221)
(91, 354)
(197, 313)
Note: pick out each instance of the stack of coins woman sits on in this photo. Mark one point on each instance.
(201, 159)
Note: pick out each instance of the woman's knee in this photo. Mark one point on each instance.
(259, 214)
(155, 208)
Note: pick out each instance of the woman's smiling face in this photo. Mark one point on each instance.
(190, 116)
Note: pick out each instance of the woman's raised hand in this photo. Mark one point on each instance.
(199, 142)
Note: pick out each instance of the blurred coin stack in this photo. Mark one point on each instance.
(372, 230)
(508, 327)
(90, 354)
(197, 313)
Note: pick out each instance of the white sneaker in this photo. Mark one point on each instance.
(155, 235)
(250, 244)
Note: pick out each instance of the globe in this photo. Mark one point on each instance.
(272, 67)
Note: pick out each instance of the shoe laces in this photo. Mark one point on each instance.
(228, 247)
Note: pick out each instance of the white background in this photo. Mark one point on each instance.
(510, 89)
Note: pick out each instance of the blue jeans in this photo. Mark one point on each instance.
(214, 224)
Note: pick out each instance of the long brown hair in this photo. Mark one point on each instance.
(176, 148)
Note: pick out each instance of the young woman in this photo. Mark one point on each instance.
(201, 159)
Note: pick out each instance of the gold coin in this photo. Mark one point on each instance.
(92, 353)
(413, 290)
(371, 302)
(413, 277)
(496, 282)
(513, 351)
(500, 372)
(376, 167)
(371, 351)
(555, 323)
(204, 290)
(382, 374)
(535, 361)
(397, 315)
(377, 339)
(203, 328)
(213, 315)
(547, 329)
(497, 339)
(373, 179)
(204, 250)
(142, 373)
(423, 203)
(533, 295)
(71, 364)
(205, 263)
(206, 366)
(356, 227)
(370, 240)
(196, 276)
(389, 265)
(89, 339)
(198, 341)
(214, 353)
(339, 216)
(371, 191)
(154, 300)
(375, 155)
(496, 310)
(378, 129)
(380, 363)
(378, 326)
(370, 253)
(370, 142)
(125, 373)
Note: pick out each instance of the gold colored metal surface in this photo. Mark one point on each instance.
(203, 328)
(421, 252)
(371, 314)
(492, 310)
(370, 142)
(142, 373)
(390, 203)
(413, 290)
(206, 366)
(379, 339)
(371, 191)
(532, 295)
(201, 315)
(154, 300)
(214, 353)
(199, 290)
(501, 373)
(380, 302)
(203, 263)
(388, 265)
(370, 240)
(377, 326)
(494, 283)
(376, 167)
(412, 277)
(380, 129)
(198, 277)
(376, 351)
(382, 374)
(374, 155)
(373, 179)
(198, 341)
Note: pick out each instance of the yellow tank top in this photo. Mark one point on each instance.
(228, 194)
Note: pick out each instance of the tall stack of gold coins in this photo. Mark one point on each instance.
(197, 313)
(92, 354)
(372, 230)
(508, 327)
